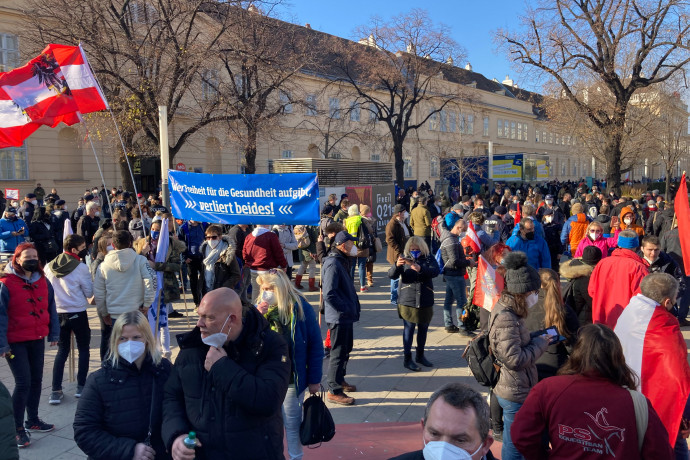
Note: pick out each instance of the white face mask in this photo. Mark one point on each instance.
(548, 219)
(353, 251)
(593, 236)
(98, 213)
(109, 248)
(406, 215)
(213, 243)
(441, 450)
(627, 221)
(269, 297)
(549, 202)
(219, 338)
(532, 299)
(131, 350)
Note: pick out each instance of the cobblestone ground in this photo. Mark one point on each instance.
(387, 392)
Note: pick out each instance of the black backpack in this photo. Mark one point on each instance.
(481, 361)
(317, 423)
(365, 239)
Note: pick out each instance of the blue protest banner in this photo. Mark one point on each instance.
(245, 198)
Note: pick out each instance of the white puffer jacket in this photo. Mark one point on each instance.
(123, 283)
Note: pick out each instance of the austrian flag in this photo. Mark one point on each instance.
(55, 86)
(471, 241)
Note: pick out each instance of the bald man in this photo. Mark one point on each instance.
(227, 385)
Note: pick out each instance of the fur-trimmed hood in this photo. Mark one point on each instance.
(575, 268)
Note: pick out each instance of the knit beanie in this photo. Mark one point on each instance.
(520, 277)
(591, 255)
(451, 218)
(628, 242)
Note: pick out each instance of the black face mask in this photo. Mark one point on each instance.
(11, 218)
(529, 235)
(30, 265)
(82, 254)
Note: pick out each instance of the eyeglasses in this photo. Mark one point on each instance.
(214, 237)
(273, 271)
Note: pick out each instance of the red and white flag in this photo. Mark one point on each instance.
(471, 240)
(55, 86)
(683, 218)
(489, 285)
(655, 349)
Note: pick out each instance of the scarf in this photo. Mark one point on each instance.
(210, 260)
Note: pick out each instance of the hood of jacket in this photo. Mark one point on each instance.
(34, 276)
(626, 210)
(575, 268)
(64, 264)
(120, 259)
(258, 231)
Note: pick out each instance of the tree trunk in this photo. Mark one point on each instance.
(399, 164)
(127, 182)
(250, 151)
(612, 153)
(667, 192)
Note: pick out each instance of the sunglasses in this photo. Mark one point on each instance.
(214, 237)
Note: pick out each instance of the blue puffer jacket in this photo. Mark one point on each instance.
(9, 243)
(339, 297)
(307, 349)
(538, 255)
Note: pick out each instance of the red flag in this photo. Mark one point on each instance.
(82, 83)
(489, 285)
(471, 240)
(518, 215)
(683, 218)
(655, 349)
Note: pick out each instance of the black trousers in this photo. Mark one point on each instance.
(194, 270)
(79, 324)
(27, 369)
(341, 346)
(106, 331)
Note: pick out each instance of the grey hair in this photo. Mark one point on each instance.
(462, 396)
(659, 286)
(419, 242)
(528, 210)
(90, 205)
(353, 210)
(628, 234)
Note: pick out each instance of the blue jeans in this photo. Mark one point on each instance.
(292, 417)
(361, 264)
(510, 408)
(455, 291)
(394, 291)
(408, 333)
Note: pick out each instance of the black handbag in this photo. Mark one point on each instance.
(317, 423)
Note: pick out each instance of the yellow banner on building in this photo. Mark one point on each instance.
(507, 167)
(542, 169)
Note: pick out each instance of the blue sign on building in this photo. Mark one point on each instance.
(245, 198)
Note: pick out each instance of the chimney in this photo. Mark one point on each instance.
(468, 66)
(307, 26)
(508, 81)
(449, 61)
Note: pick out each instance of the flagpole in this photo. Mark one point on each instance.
(88, 134)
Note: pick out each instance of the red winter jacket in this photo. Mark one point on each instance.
(262, 250)
(27, 310)
(613, 283)
(586, 418)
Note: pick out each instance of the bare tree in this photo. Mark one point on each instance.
(146, 54)
(623, 45)
(396, 73)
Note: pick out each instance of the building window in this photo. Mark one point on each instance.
(375, 157)
(563, 169)
(373, 112)
(13, 164)
(354, 112)
(442, 121)
(469, 127)
(286, 154)
(142, 13)
(311, 105)
(285, 102)
(408, 168)
(550, 138)
(433, 167)
(463, 126)
(209, 85)
(334, 107)
(536, 136)
(486, 126)
(9, 52)
(239, 85)
(575, 169)
(500, 128)
(432, 120)
(512, 130)
(453, 123)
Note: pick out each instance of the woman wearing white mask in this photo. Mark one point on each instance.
(119, 414)
(220, 266)
(289, 314)
(513, 346)
(594, 236)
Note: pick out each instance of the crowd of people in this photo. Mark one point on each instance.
(242, 373)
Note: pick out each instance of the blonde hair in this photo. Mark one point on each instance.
(420, 243)
(593, 224)
(554, 310)
(288, 298)
(134, 318)
(139, 244)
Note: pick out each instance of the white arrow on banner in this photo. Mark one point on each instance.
(285, 209)
(189, 204)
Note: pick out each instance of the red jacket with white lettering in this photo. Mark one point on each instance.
(262, 250)
(586, 418)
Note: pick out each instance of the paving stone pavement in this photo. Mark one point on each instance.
(387, 392)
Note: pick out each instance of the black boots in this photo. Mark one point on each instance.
(409, 364)
(419, 357)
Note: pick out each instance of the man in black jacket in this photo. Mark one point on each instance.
(227, 385)
(659, 261)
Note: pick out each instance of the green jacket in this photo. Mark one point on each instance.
(172, 266)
